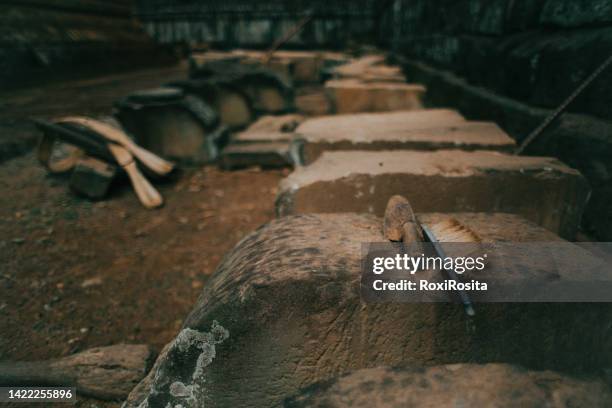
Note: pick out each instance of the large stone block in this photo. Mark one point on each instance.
(541, 189)
(313, 103)
(371, 122)
(306, 65)
(465, 136)
(583, 142)
(283, 311)
(368, 68)
(352, 95)
(454, 386)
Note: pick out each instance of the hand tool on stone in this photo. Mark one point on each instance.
(147, 194)
(116, 135)
(450, 273)
(107, 373)
(401, 225)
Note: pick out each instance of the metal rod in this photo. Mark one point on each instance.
(465, 299)
(550, 118)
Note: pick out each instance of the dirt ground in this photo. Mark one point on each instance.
(76, 274)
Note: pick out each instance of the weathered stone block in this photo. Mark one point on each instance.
(305, 65)
(391, 121)
(453, 386)
(287, 300)
(313, 103)
(369, 68)
(464, 136)
(352, 95)
(92, 177)
(583, 142)
(541, 189)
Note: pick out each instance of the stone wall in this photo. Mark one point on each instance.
(257, 24)
(43, 38)
(514, 61)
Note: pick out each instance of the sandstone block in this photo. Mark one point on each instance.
(285, 310)
(321, 136)
(369, 68)
(306, 65)
(92, 177)
(352, 95)
(541, 189)
(313, 103)
(453, 386)
(372, 122)
(265, 154)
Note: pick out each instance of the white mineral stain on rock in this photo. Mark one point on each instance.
(186, 340)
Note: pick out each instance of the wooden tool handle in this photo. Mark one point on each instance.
(147, 194)
(111, 133)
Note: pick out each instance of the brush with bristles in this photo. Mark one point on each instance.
(400, 224)
(451, 230)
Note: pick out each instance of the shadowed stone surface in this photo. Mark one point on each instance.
(265, 154)
(288, 296)
(541, 189)
(459, 385)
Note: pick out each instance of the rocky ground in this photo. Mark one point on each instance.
(76, 274)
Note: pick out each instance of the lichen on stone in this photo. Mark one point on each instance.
(181, 394)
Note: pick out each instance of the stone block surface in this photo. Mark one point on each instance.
(285, 310)
(353, 95)
(541, 189)
(463, 136)
(372, 122)
(453, 386)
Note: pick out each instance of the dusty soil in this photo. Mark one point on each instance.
(76, 274)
